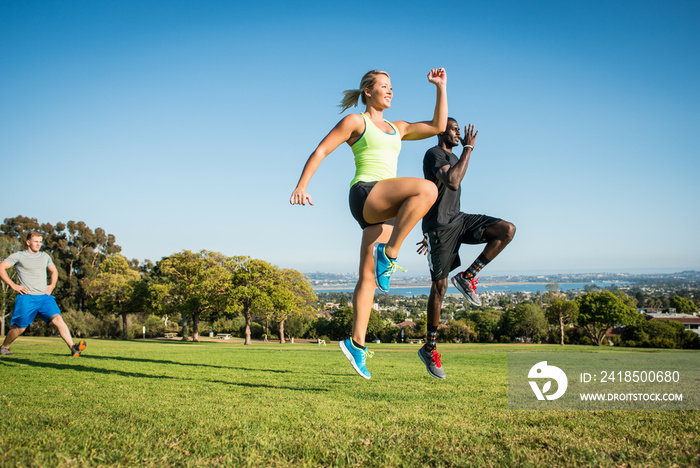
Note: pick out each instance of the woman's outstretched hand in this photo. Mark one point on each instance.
(300, 197)
(437, 76)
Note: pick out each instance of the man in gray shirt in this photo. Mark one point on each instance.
(34, 293)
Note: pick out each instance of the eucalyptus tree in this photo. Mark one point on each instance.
(80, 250)
(560, 311)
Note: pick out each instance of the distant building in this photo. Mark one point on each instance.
(690, 322)
(649, 311)
(408, 323)
(324, 314)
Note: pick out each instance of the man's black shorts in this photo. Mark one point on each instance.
(444, 243)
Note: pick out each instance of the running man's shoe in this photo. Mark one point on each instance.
(431, 359)
(78, 348)
(6, 352)
(467, 287)
(384, 267)
(357, 357)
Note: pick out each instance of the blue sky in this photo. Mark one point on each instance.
(185, 125)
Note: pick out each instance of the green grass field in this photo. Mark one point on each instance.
(209, 404)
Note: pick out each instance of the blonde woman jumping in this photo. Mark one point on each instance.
(386, 207)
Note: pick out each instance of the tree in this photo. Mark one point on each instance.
(526, 321)
(562, 312)
(458, 331)
(654, 302)
(250, 288)
(600, 311)
(17, 227)
(552, 290)
(298, 326)
(340, 325)
(157, 298)
(375, 326)
(8, 246)
(485, 323)
(448, 312)
(112, 290)
(196, 286)
(292, 296)
(80, 251)
(683, 305)
(154, 326)
(659, 334)
(529, 322)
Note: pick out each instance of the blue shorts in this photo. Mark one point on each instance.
(27, 307)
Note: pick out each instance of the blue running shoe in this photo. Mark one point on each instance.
(357, 357)
(384, 267)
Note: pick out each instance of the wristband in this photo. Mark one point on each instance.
(469, 146)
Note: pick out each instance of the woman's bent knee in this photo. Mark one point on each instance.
(430, 189)
(429, 192)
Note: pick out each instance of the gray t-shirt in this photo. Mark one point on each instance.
(31, 270)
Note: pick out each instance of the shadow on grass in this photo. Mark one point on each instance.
(193, 364)
(140, 375)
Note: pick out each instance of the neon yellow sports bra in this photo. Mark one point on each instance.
(376, 153)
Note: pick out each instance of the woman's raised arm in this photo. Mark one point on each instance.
(426, 129)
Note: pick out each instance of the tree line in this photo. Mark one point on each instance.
(590, 317)
(186, 287)
(103, 293)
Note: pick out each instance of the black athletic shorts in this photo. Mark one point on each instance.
(358, 195)
(444, 243)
